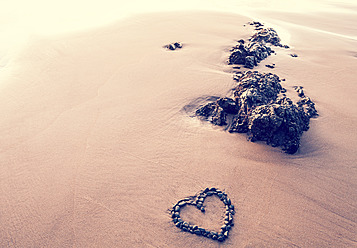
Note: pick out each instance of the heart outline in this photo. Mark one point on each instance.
(197, 200)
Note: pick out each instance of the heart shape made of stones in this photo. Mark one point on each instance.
(198, 200)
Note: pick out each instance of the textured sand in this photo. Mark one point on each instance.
(97, 141)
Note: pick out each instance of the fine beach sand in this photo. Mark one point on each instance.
(98, 139)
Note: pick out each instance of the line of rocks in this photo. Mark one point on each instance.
(198, 201)
(258, 105)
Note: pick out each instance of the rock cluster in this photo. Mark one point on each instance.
(198, 201)
(256, 49)
(249, 54)
(259, 107)
(174, 46)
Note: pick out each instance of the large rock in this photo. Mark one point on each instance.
(256, 49)
(266, 35)
(259, 109)
(249, 55)
(254, 88)
(214, 113)
(278, 124)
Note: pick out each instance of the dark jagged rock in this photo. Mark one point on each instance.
(294, 55)
(219, 117)
(299, 90)
(178, 44)
(255, 89)
(174, 46)
(214, 112)
(266, 35)
(256, 24)
(308, 106)
(271, 66)
(198, 200)
(278, 125)
(251, 53)
(206, 110)
(305, 103)
(228, 105)
(259, 109)
(217, 111)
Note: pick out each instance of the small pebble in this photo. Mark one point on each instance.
(220, 238)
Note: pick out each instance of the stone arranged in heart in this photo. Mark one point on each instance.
(198, 201)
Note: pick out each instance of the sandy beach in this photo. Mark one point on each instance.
(99, 140)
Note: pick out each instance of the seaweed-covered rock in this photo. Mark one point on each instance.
(267, 35)
(249, 55)
(259, 109)
(256, 88)
(214, 113)
(229, 105)
(308, 106)
(219, 117)
(278, 125)
(305, 103)
(257, 49)
(240, 123)
(206, 110)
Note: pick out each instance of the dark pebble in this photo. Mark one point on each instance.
(220, 238)
(197, 232)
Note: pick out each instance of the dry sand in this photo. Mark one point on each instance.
(98, 142)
